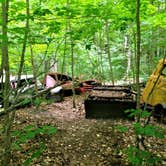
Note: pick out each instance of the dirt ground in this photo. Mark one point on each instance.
(78, 141)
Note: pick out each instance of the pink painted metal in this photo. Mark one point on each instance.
(50, 82)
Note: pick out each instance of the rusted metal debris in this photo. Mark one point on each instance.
(65, 82)
(109, 102)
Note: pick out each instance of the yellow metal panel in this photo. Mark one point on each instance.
(155, 92)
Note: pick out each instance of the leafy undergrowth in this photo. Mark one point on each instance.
(78, 141)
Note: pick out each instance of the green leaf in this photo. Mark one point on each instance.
(26, 101)
(21, 17)
(37, 153)
(37, 101)
(137, 112)
(139, 130)
(16, 133)
(88, 46)
(16, 146)
(132, 112)
(30, 127)
(145, 114)
(42, 146)
(42, 12)
(148, 130)
(2, 1)
(133, 157)
(122, 128)
(137, 156)
(28, 162)
(23, 139)
(30, 135)
(49, 129)
(153, 131)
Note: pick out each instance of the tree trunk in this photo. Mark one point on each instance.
(108, 51)
(134, 57)
(24, 42)
(72, 54)
(138, 34)
(72, 68)
(100, 56)
(5, 66)
(128, 55)
(139, 138)
(9, 118)
(65, 45)
(150, 54)
(34, 68)
(22, 54)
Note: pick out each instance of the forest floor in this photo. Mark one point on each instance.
(78, 141)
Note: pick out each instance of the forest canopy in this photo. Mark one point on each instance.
(100, 34)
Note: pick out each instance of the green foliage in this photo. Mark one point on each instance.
(148, 130)
(122, 128)
(29, 133)
(26, 101)
(91, 10)
(144, 129)
(138, 112)
(37, 101)
(49, 20)
(135, 155)
(139, 157)
(37, 153)
(42, 11)
(2, 1)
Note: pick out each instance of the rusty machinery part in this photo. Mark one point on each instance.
(109, 102)
(154, 93)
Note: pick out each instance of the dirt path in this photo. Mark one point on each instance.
(78, 141)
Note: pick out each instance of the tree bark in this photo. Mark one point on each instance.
(100, 56)
(5, 66)
(65, 45)
(72, 53)
(139, 138)
(6, 92)
(34, 68)
(24, 42)
(108, 51)
(22, 54)
(138, 34)
(128, 55)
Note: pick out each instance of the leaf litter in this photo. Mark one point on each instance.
(78, 141)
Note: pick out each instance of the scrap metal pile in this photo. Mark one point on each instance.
(109, 102)
(54, 86)
(102, 102)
